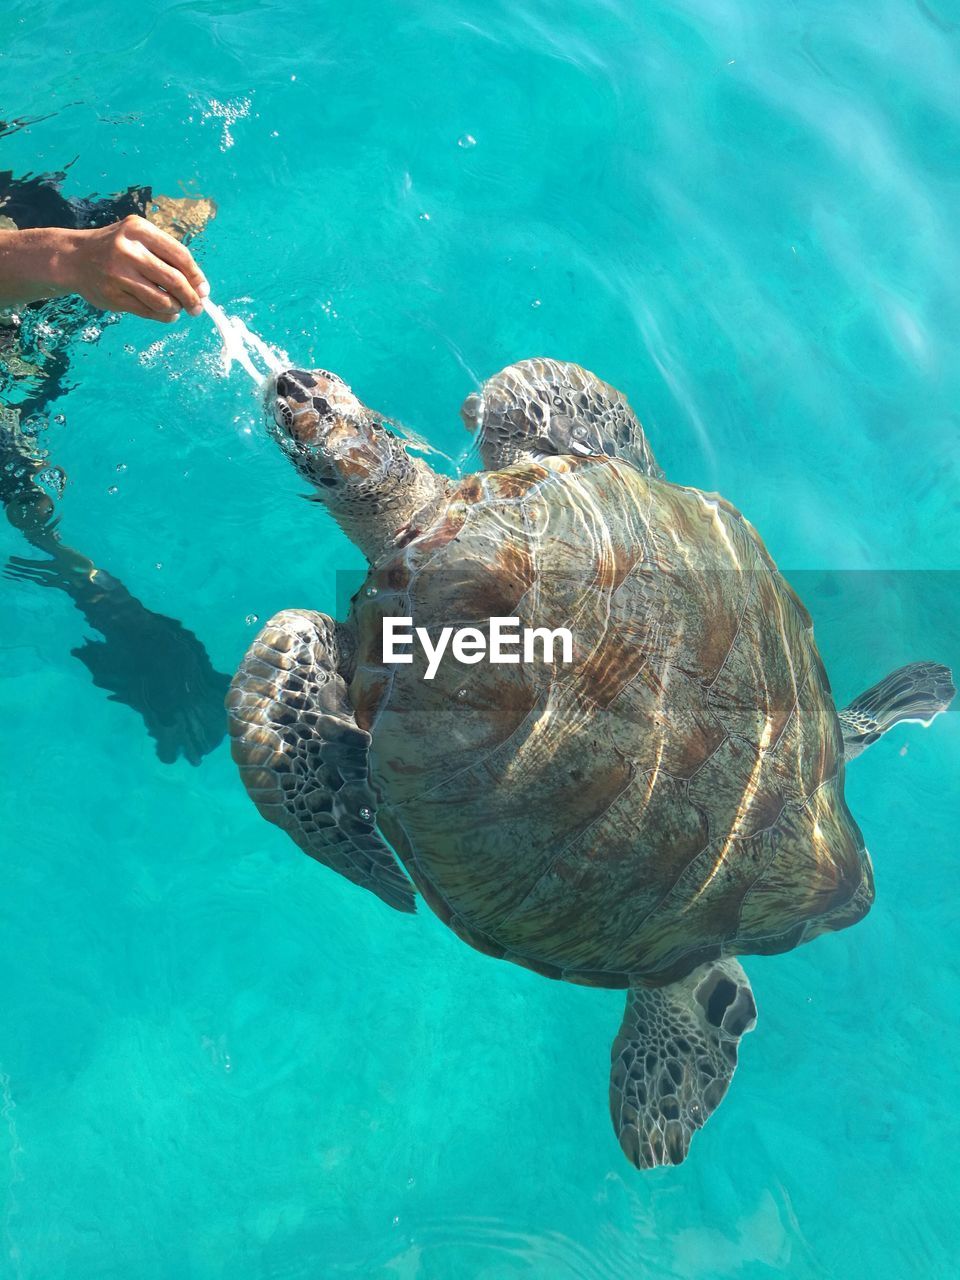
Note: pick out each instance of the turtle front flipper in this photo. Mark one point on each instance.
(674, 1058)
(548, 408)
(917, 692)
(303, 758)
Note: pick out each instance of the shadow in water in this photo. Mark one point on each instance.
(145, 660)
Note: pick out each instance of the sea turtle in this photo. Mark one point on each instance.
(637, 817)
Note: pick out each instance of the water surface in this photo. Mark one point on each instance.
(217, 1059)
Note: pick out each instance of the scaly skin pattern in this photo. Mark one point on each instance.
(552, 407)
(673, 795)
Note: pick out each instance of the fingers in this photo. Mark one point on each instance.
(169, 278)
(142, 299)
(184, 279)
(133, 266)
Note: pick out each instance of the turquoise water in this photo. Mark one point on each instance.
(216, 1058)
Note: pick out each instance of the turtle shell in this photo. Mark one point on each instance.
(673, 794)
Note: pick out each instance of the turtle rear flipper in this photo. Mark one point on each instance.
(302, 756)
(917, 692)
(674, 1058)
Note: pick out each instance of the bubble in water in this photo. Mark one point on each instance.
(229, 113)
(158, 565)
(535, 303)
(251, 618)
(366, 815)
(467, 141)
(60, 419)
(370, 592)
(424, 217)
(152, 354)
(461, 693)
(55, 478)
(121, 467)
(579, 432)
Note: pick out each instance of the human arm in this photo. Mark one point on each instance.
(128, 266)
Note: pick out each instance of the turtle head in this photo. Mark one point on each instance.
(544, 408)
(332, 438)
(359, 467)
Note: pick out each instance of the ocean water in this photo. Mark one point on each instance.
(217, 1059)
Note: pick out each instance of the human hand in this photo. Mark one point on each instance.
(133, 266)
